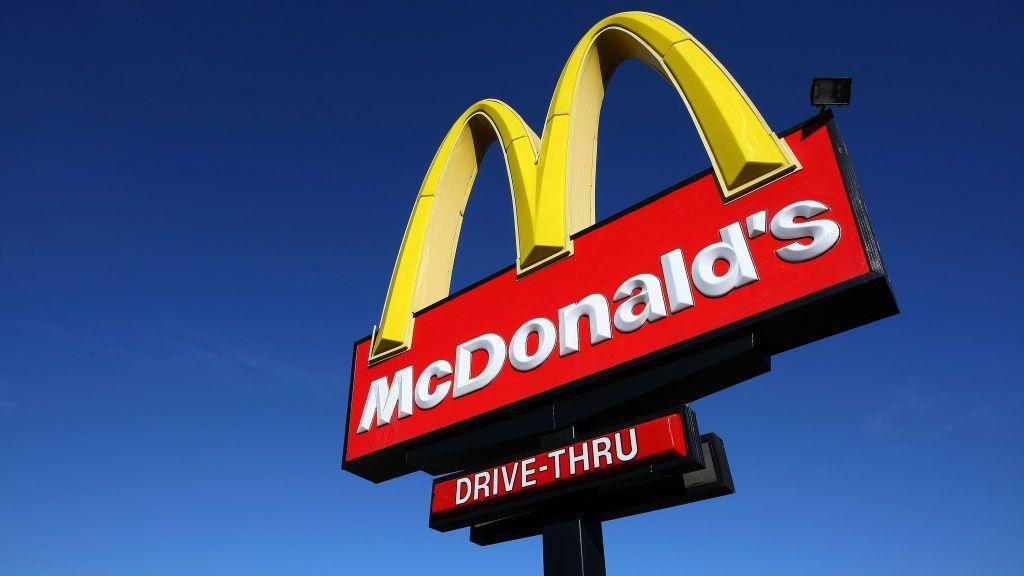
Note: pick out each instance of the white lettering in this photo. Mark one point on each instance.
(555, 457)
(604, 451)
(525, 481)
(649, 296)
(509, 479)
(518, 356)
(677, 281)
(494, 346)
(624, 457)
(824, 234)
(460, 497)
(581, 458)
(595, 308)
(425, 399)
(644, 298)
(382, 400)
(481, 483)
(756, 224)
(733, 250)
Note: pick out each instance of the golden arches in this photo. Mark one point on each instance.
(552, 177)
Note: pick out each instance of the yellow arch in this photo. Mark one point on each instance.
(552, 177)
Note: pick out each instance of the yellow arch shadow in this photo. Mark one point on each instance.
(552, 177)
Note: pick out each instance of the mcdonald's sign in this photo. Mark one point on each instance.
(771, 246)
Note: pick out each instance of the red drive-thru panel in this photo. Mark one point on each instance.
(673, 270)
(651, 442)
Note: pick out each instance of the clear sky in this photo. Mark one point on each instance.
(200, 207)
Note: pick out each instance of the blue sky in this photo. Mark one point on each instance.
(199, 210)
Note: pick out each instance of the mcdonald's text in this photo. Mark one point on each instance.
(715, 271)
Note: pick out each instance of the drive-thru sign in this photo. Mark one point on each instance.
(652, 442)
(599, 325)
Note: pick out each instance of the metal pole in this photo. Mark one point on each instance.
(572, 539)
(573, 546)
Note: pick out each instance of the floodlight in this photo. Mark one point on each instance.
(831, 91)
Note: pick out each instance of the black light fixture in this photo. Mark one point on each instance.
(831, 92)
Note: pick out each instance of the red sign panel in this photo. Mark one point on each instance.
(671, 270)
(651, 442)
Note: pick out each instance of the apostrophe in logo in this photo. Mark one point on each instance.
(552, 176)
